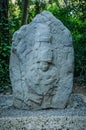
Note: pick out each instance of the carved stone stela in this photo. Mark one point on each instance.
(41, 64)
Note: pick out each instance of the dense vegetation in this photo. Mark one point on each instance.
(14, 14)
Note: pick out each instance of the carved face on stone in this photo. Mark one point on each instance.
(44, 66)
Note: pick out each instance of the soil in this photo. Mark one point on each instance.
(79, 89)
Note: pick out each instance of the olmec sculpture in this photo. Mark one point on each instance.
(41, 64)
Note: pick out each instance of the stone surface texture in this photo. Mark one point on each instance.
(41, 64)
(43, 123)
(71, 118)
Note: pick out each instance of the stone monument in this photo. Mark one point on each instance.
(41, 64)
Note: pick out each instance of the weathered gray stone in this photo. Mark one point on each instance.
(41, 64)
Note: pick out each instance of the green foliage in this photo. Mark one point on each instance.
(80, 51)
(4, 60)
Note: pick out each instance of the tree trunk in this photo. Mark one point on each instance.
(4, 25)
(24, 11)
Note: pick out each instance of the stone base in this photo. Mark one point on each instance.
(50, 119)
(43, 123)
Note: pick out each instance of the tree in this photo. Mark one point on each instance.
(4, 26)
(4, 43)
(24, 11)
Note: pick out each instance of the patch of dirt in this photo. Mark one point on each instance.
(79, 89)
